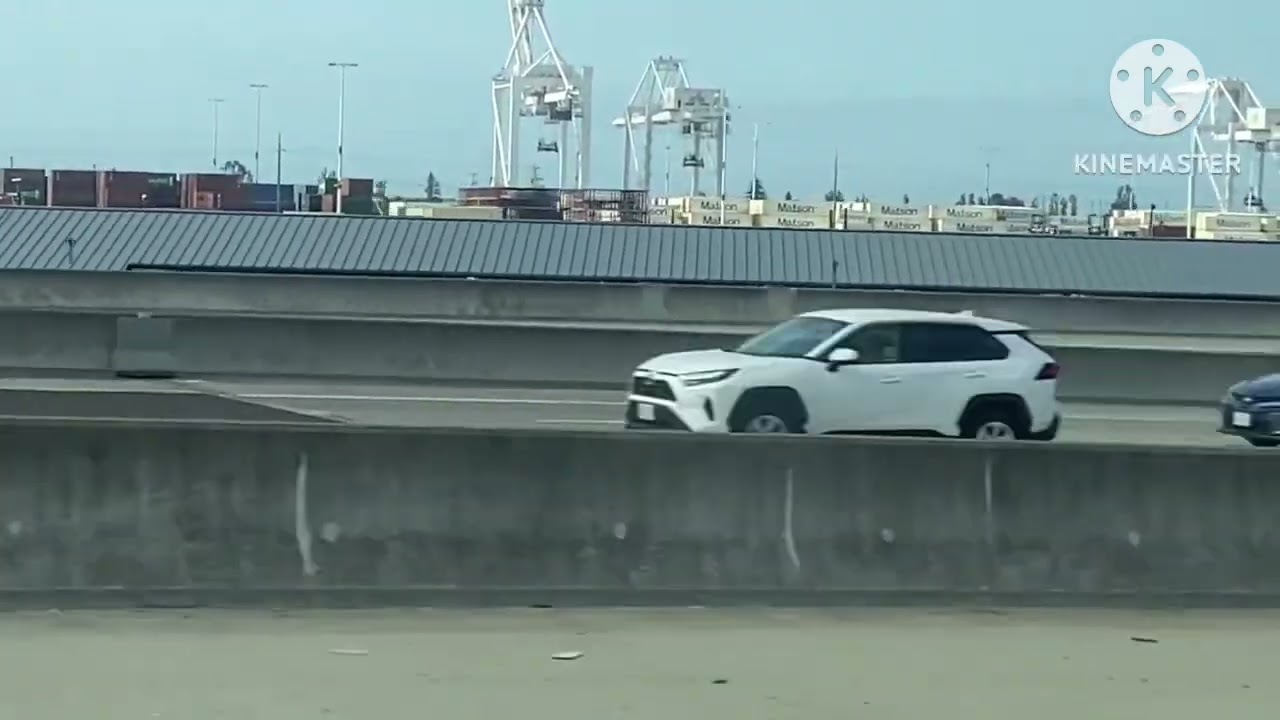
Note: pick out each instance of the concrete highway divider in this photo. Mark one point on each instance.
(445, 516)
(356, 297)
(526, 355)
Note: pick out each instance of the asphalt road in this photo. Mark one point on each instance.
(713, 664)
(427, 406)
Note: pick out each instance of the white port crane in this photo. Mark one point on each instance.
(1232, 117)
(536, 82)
(665, 98)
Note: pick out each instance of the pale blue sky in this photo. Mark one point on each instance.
(909, 91)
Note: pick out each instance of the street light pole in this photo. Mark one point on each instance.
(215, 102)
(342, 120)
(257, 136)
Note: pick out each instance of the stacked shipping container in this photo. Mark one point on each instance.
(20, 186)
(73, 188)
(118, 189)
(213, 191)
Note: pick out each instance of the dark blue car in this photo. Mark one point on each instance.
(1251, 410)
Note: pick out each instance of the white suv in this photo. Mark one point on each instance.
(900, 372)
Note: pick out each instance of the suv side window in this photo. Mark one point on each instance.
(875, 344)
(949, 342)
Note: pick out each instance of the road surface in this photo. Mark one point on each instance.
(643, 664)
(401, 405)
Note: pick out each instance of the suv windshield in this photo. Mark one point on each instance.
(793, 338)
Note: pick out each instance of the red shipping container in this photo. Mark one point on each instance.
(73, 188)
(220, 183)
(137, 190)
(328, 204)
(357, 188)
(206, 201)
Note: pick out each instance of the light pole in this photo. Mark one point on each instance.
(215, 102)
(257, 135)
(342, 119)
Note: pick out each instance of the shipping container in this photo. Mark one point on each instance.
(138, 190)
(445, 212)
(956, 225)
(221, 184)
(1236, 236)
(72, 188)
(357, 188)
(799, 221)
(715, 219)
(857, 208)
(984, 213)
(24, 186)
(902, 224)
(661, 216)
(1013, 213)
(907, 212)
(789, 207)
(851, 221)
(732, 206)
(1235, 222)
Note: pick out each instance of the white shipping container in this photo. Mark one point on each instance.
(661, 216)
(732, 206)
(882, 210)
(1239, 222)
(793, 221)
(985, 227)
(855, 222)
(964, 212)
(903, 224)
(447, 212)
(855, 208)
(713, 219)
(1236, 235)
(1011, 213)
(789, 207)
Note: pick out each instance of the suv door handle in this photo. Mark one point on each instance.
(975, 374)
(890, 380)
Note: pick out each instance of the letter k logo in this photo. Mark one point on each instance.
(1153, 87)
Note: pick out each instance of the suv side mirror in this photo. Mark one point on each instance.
(841, 356)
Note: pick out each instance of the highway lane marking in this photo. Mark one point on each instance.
(419, 398)
(579, 422)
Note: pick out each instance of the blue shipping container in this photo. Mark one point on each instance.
(262, 196)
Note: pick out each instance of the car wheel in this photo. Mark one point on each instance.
(1258, 442)
(766, 423)
(991, 424)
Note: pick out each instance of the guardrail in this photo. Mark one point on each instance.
(517, 516)
(354, 297)
(434, 352)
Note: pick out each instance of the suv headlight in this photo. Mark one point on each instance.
(707, 377)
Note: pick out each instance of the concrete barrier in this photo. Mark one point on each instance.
(616, 516)
(214, 294)
(432, 352)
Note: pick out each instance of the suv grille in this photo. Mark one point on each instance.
(648, 387)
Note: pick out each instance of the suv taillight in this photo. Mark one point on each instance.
(1049, 371)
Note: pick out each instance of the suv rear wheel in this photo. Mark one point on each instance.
(993, 421)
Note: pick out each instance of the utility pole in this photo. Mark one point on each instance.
(279, 159)
(257, 135)
(215, 102)
(342, 119)
(724, 153)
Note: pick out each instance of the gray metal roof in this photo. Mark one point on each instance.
(76, 239)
